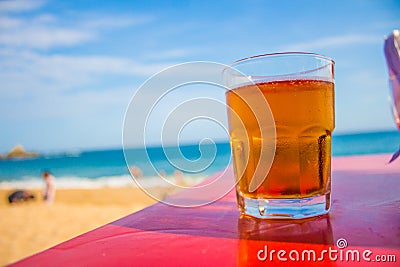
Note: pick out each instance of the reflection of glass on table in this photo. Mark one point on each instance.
(255, 234)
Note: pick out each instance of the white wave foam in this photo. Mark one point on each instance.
(73, 182)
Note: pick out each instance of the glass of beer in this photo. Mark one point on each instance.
(281, 117)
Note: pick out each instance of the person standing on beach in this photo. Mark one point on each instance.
(50, 190)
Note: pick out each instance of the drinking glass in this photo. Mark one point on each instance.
(281, 118)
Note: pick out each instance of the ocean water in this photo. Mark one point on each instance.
(109, 168)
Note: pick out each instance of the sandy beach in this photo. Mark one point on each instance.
(28, 228)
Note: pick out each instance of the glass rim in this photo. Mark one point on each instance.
(248, 60)
(289, 53)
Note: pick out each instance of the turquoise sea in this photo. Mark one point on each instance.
(108, 167)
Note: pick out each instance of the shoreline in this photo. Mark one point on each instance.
(75, 182)
(125, 180)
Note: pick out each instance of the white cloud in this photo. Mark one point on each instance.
(9, 22)
(334, 41)
(46, 31)
(89, 65)
(63, 73)
(41, 31)
(23, 38)
(44, 37)
(20, 5)
(39, 83)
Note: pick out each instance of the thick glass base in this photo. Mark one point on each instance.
(299, 208)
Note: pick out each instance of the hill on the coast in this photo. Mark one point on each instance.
(19, 152)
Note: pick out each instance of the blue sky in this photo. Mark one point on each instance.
(69, 68)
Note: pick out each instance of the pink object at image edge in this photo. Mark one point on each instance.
(392, 54)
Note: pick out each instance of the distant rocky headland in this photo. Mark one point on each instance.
(19, 152)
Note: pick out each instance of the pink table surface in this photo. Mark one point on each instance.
(365, 212)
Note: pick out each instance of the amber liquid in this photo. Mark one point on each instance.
(303, 111)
